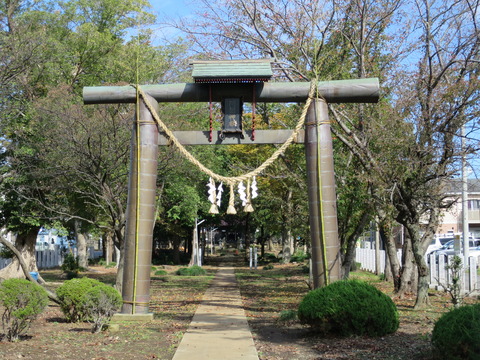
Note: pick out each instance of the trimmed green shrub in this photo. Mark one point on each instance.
(111, 264)
(161, 272)
(305, 269)
(22, 301)
(349, 307)
(456, 334)
(99, 304)
(71, 266)
(269, 257)
(71, 294)
(287, 316)
(194, 270)
(299, 256)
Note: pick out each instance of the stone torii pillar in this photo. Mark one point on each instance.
(321, 182)
(326, 266)
(140, 213)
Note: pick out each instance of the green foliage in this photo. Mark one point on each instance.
(299, 256)
(111, 264)
(454, 284)
(287, 316)
(99, 303)
(349, 307)
(71, 266)
(71, 296)
(21, 301)
(268, 267)
(305, 269)
(161, 272)
(194, 270)
(456, 334)
(5, 252)
(269, 257)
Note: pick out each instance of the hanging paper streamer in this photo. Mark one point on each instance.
(219, 194)
(231, 202)
(241, 193)
(212, 197)
(254, 188)
(246, 194)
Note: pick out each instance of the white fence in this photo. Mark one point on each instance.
(439, 275)
(47, 259)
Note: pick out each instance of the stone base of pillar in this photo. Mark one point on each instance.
(132, 317)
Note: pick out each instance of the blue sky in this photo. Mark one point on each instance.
(172, 9)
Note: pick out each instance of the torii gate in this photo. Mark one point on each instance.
(318, 148)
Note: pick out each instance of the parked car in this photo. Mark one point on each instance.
(435, 245)
(451, 245)
(449, 249)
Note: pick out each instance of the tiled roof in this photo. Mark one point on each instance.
(226, 71)
(456, 186)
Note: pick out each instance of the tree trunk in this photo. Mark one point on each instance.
(378, 270)
(408, 271)
(26, 270)
(194, 251)
(120, 245)
(419, 246)
(387, 271)
(247, 236)
(270, 243)
(176, 250)
(108, 247)
(423, 283)
(287, 238)
(81, 245)
(349, 256)
(25, 244)
(287, 246)
(391, 248)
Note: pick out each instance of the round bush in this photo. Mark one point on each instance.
(71, 294)
(99, 304)
(349, 307)
(299, 256)
(22, 301)
(194, 270)
(456, 334)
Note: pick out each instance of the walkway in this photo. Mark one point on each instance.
(219, 329)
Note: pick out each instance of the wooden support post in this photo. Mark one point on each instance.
(140, 214)
(321, 196)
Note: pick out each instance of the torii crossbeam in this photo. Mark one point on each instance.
(318, 149)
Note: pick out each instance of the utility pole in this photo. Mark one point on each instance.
(466, 233)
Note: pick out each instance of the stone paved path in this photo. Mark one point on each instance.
(219, 329)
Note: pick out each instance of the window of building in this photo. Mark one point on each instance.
(473, 204)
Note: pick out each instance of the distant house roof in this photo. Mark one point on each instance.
(455, 186)
(232, 71)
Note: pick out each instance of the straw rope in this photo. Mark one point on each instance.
(230, 180)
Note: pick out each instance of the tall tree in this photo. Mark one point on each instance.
(81, 43)
(307, 40)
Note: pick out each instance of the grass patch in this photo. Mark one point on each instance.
(173, 303)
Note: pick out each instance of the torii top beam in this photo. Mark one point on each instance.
(338, 91)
